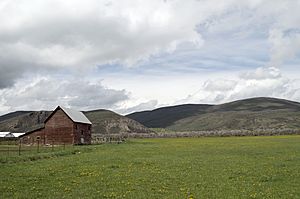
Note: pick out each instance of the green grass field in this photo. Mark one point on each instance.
(230, 167)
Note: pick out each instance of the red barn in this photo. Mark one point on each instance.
(63, 126)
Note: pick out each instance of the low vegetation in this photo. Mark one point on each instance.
(165, 133)
(210, 167)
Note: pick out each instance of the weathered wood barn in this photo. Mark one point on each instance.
(63, 126)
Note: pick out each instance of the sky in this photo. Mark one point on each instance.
(135, 55)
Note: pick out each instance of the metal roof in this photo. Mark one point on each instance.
(3, 134)
(18, 134)
(9, 134)
(76, 116)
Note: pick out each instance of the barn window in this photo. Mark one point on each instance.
(81, 132)
(89, 127)
(75, 126)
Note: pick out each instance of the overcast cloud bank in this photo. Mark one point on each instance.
(46, 45)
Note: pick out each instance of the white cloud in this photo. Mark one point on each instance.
(148, 105)
(47, 93)
(219, 85)
(82, 34)
(285, 45)
(262, 73)
(79, 34)
(264, 81)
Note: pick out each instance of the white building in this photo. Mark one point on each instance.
(10, 135)
(3, 134)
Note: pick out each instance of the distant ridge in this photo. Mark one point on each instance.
(13, 114)
(248, 114)
(251, 114)
(165, 116)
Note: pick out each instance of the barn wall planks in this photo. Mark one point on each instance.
(59, 129)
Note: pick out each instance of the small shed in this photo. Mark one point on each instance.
(4, 134)
(63, 126)
(9, 135)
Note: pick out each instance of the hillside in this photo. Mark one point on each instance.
(166, 116)
(13, 114)
(250, 114)
(104, 122)
(23, 121)
(108, 122)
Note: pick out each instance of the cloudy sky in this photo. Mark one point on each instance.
(133, 55)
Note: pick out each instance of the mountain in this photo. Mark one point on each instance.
(23, 121)
(108, 122)
(104, 122)
(166, 116)
(13, 114)
(250, 114)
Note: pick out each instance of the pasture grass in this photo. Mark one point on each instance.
(214, 167)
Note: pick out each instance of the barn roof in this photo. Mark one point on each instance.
(76, 116)
(29, 132)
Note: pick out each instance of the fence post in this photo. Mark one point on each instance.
(38, 146)
(52, 145)
(20, 146)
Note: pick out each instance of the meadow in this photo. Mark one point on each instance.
(208, 167)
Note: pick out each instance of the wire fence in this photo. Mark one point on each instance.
(14, 147)
(10, 147)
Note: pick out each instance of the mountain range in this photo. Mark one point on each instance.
(104, 122)
(249, 114)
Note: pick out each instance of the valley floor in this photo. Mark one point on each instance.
(215, 167)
